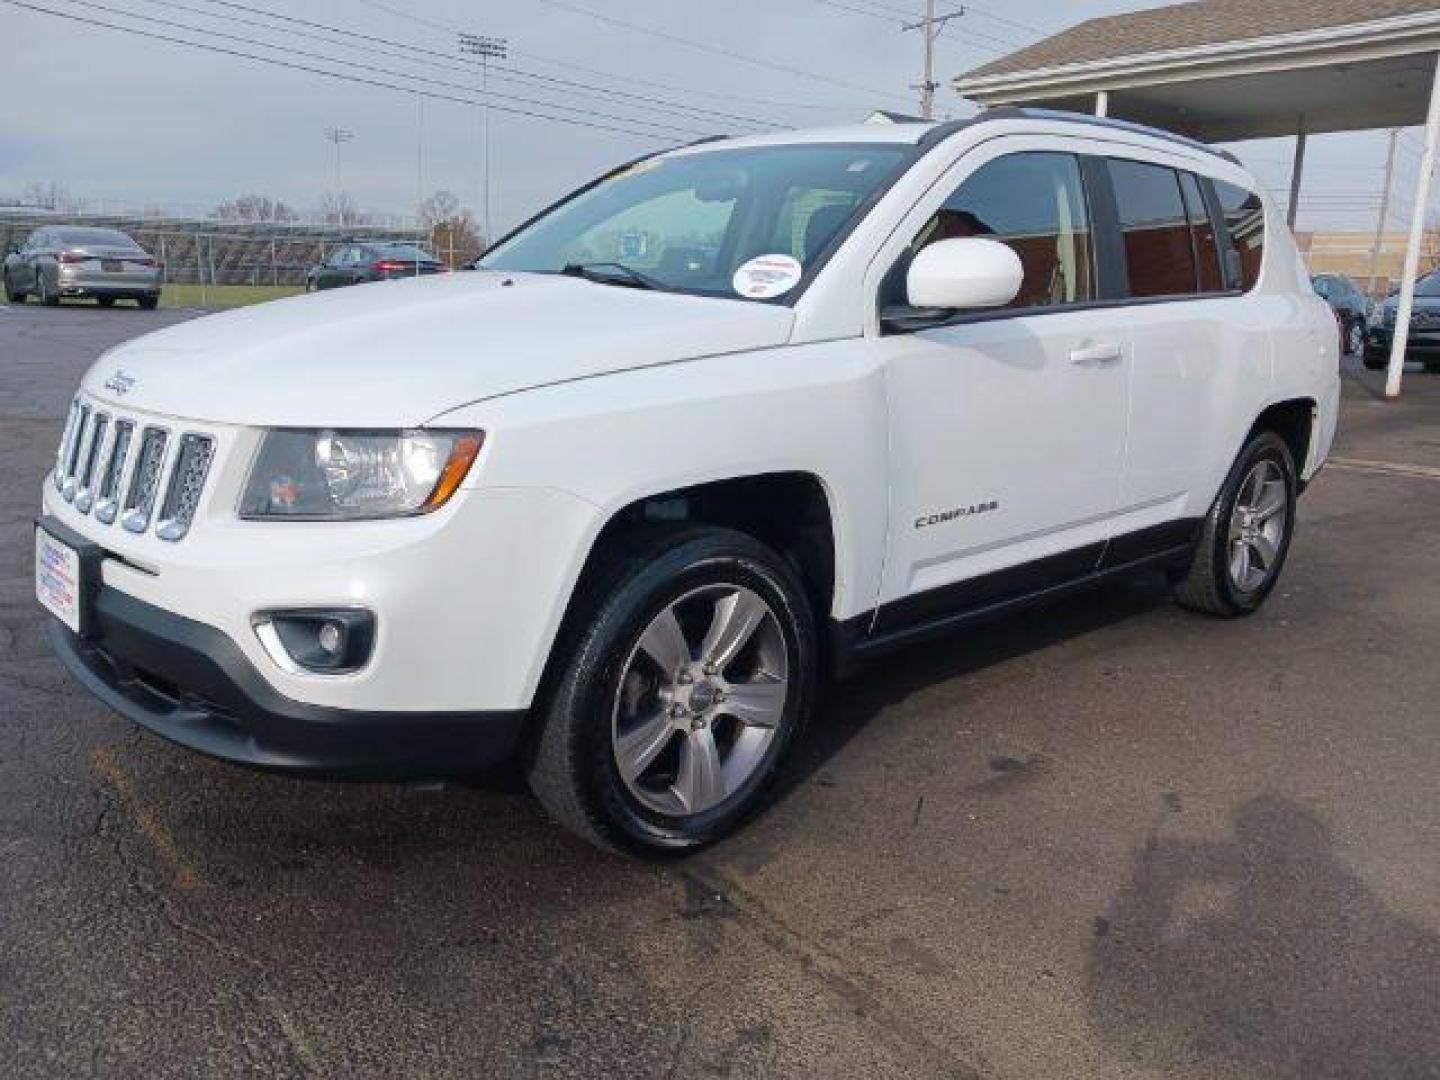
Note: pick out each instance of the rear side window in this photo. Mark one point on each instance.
(1035, 204)
(1245, 222)
(1202, 236)
(1159, 250)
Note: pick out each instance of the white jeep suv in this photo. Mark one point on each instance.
(726, 418)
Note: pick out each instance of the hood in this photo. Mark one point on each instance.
(398, 353)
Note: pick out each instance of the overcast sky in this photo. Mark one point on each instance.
(126, 121)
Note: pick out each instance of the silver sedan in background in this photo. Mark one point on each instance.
(64, 260)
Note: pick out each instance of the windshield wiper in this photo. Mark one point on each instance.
(611, 273)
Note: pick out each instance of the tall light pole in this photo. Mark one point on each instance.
(931, 25)
(338, 136)
(487, 49)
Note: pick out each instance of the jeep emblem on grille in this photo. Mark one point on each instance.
(121, 382)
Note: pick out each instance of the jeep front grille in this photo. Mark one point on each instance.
(128, 469)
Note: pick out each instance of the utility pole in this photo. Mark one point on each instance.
(1384, 211)
(338, 136)
(931, 25)
(487, 49)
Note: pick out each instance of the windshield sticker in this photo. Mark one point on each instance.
(766, 276)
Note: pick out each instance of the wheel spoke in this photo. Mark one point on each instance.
(1272, 500)
(1240, 564)
(700, 783)
(1266, 549)
(758, 704)
(638, 748)
(736, 618)
(1254, 483)
(664, 643)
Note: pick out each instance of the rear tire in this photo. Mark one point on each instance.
(640, 751)
(1355, 338)
(105, 301)
(47, 298)
(1375, 361)
(1246, 535)
(12, 294)
(148, 303)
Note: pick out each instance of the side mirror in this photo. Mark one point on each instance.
(964, 274)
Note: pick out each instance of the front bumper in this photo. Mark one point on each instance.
(191, 684)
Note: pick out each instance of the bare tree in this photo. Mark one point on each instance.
(453, 231)
(52, 196)
(255, 208)
(341, 211)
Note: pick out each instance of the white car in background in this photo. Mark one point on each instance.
(729, 416)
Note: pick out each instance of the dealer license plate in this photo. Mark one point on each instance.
(58, 578)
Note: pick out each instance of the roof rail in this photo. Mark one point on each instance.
(1017, 112)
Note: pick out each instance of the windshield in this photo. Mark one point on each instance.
(736, 223)
(1429, 285)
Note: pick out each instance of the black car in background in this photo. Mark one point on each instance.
(1423, 343)
(357, 261)
(1350, 304)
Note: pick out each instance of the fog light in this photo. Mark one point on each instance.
(320, 641)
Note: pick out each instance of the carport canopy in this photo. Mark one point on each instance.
(1231, 70)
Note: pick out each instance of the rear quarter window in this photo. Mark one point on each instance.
(1245, 222)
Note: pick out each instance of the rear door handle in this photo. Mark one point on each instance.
(1101, 355)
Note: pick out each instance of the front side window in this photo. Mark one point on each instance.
(735, 223)
(1034, 203)
(1245, 221)
(1159, 253)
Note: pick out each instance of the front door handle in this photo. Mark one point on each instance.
(1100, 355)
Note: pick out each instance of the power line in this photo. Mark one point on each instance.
(718, 50)
(338, 75)
(659, 126)
(432, 56)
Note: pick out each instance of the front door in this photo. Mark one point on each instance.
(1007, 427)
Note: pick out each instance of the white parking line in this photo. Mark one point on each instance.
(1423, 472)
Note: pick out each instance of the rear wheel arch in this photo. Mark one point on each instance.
(1294, 421)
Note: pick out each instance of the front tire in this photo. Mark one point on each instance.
(105, 301)
(1246, 535)
(689, 676)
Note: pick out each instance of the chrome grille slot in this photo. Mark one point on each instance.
(145, 483)
(114, 472)
(85, 493)
(72, 453)
(66, 439)
(187, 480)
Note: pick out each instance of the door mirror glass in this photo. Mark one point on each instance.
(962, 274)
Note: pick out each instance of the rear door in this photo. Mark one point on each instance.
(1196, 345)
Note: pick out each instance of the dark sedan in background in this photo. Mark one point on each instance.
(1424, 341)
(358, 261)
(1351, 306)
(87, 263)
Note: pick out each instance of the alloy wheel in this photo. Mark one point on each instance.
(1257, 526)
(700, 699)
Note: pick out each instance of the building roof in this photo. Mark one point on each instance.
(1184, 26)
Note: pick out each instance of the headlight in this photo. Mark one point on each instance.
(340, 475)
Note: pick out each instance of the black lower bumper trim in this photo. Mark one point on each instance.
(191, 684)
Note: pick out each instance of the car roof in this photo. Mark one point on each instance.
(916, 133)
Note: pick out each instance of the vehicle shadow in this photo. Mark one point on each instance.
(847, 706)
(1264, 954)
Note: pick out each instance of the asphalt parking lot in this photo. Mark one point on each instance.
(1108, 839)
